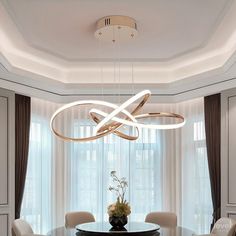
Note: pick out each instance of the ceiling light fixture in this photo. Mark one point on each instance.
(111, 29)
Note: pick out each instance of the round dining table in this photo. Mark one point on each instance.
(131, 229)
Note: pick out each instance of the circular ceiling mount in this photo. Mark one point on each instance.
(116, 28)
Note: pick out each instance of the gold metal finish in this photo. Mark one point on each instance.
(114, 125)
(116, 28)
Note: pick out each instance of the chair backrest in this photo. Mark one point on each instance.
(34, 235)
(21, 227)
(164, 219)
(224, 227)
(79, 217)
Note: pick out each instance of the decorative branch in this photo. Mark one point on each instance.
(121, 206)
(120, 188)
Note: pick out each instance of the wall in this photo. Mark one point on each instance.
(7, 156)
(228, 153)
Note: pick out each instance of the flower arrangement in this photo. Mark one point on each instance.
(121, 206)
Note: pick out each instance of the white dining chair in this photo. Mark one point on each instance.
(21, 227)
(34, 235)
(164, 219)
(223, 227)
(79, 217)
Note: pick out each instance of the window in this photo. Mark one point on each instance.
(37, 192)
(166, 170)
(202, 215)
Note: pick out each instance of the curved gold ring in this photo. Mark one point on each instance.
(79, 103)
(160, 114)
(103, 127)
(116, 132)
(115, 125)
(164, 115)
(142, 116)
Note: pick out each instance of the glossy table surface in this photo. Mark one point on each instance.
(106, 228)
(132, 228)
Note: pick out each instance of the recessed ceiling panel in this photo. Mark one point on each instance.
(167, 28)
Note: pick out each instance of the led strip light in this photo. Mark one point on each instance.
(103, 126)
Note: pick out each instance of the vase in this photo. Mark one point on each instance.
(118, 221)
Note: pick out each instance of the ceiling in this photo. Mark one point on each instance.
(167, 29)
(50, 44)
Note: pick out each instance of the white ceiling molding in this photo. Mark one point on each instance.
(162, 93)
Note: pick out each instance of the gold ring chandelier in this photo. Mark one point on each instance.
(107, 28)
(104, 128)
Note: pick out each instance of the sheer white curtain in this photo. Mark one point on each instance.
(166, 170)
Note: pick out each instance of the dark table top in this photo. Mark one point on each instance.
(133, 228)
(130, 228)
